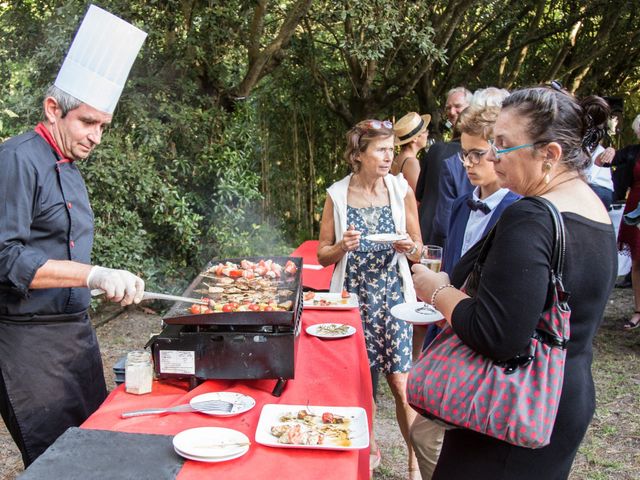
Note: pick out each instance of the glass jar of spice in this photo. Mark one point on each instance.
(138, 375)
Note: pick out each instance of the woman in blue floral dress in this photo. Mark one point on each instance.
(372, 201)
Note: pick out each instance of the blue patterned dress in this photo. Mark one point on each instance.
(372, 274)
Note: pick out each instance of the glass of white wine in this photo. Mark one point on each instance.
(431, 257)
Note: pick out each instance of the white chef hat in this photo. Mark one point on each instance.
(99, 60)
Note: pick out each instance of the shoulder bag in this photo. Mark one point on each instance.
(514, 400)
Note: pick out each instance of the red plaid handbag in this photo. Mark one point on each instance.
(515, 400)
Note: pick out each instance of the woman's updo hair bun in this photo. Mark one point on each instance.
(360, 136)
(554, 115)
(597, 113)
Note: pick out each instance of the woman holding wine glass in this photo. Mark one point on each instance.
(538, 149)
(369, 228)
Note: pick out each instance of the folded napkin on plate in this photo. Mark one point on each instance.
(98, 454)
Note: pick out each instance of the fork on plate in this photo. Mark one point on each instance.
(221, 406)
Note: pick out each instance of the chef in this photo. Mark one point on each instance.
(51, 374)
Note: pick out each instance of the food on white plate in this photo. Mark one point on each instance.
(326, 300)
(297, 435)
(332, 329)
(306, 428)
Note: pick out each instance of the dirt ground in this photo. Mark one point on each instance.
(611, 449)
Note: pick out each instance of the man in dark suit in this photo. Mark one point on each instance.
(427, 188)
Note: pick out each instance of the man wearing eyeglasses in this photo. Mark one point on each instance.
(474, 214)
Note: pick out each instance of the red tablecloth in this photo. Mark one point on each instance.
(328, 372)
(313, 278)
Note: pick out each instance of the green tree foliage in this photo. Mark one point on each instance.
(232, 123)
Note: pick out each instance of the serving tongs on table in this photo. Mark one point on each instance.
(160, 296)
(205, 406)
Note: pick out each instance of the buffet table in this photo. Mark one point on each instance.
(328, 373)
(314, 276)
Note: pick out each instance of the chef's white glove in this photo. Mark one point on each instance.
(119, 285)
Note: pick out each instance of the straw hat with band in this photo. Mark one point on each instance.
(409, 127)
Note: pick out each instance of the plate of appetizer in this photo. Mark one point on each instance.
(330, 330)
(385, 237)
(330, 301)
(211, 444)
(418, 313)
(313, 427)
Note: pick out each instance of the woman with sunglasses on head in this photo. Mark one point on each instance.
(366, 202)
(539, 150)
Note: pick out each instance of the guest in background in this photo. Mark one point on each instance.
(539, 150)
(454, 181)
(599, 173)
(474, 214)
(457, 100)
(627, 176)
(431, 164)
(411, 135)
(372, 201)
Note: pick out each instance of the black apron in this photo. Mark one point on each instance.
(52, 374)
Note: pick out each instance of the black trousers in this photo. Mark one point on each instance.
(9, 417)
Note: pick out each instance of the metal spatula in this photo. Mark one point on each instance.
(159, 296)
(205, 406)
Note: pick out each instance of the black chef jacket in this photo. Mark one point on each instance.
(44, 214)
(51, 374)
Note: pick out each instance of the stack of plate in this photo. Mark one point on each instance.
(118, 370)
(211, 444)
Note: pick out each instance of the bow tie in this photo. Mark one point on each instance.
(477, 205)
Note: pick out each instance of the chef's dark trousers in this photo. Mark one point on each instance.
(11, 422)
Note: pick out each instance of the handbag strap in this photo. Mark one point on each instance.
(559, 249)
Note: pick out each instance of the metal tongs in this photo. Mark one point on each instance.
(159, 296)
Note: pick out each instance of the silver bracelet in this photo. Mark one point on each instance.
(437, 291)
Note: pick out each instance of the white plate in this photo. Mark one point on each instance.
(358, 426)
(416, 313)
(241, 403)
(336, 302)
(318, 330)
(193, 444)
(312, 267)
(210, 459)
(385, 237)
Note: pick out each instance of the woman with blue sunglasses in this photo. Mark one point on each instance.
(539, 149)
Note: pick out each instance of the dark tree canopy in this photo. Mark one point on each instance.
(231, 124)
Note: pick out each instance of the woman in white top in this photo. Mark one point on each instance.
(371, 201)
